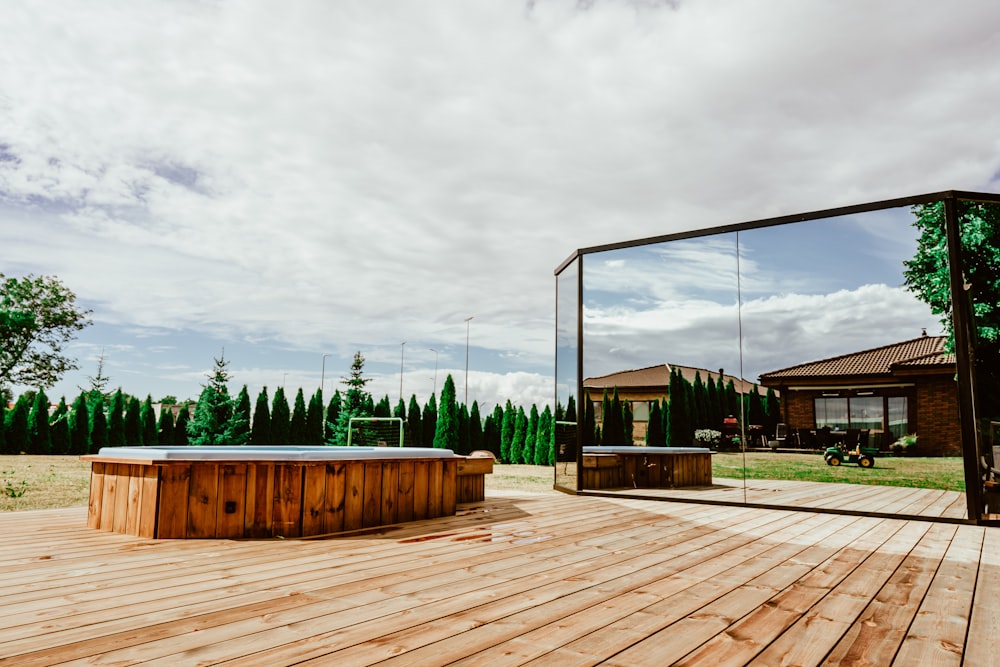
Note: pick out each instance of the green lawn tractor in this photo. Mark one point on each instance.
(863, 456)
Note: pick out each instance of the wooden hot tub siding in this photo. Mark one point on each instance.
(253, 499)
(646, 471)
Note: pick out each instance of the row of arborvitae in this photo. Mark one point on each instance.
(692, 407)
(96, 420)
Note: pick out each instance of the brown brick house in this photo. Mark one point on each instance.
(897, 389)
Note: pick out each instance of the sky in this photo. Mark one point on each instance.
(288, 184)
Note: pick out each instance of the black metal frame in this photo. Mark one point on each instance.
(961, 322)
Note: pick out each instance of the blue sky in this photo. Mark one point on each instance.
(347, 176)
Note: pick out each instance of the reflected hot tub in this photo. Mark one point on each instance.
(271, 491)
(646, 467)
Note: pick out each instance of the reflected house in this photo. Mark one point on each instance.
(642, 386)
(902, 388)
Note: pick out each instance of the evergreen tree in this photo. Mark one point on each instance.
(428, 421)
(399, 412)
(147, 422)
(241, 417)
(3, 423)
(571, 409)
(180, 425)
(714, 410)
(629, 421)
(491, 431)
(732, 400)
(589, 423)
(165, 426)
(680, 429)
(544, 440)
(507, 433)
(214, 421)
(463, 430)
(98, 425)
(755, 408)
(79, 426)
(531, 435)
(39, 441)
(475, 429)
(58, 429)
(281, 419)
(333, 413)
(772, 412)
(654, 430)
(357, 401)
(297, 425)
(520, 436)
(16, 429)
(613, 430)
(260, 432)
(116, 419)
(315, 431)
(700, 404)
(414, 430)
(382, 408)
(446, 428)
(132, 424)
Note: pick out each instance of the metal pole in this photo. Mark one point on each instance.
(467, 358)
(322, 374)
(401, 348)
(435, 369)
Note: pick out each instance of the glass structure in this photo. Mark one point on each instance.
(875, 326)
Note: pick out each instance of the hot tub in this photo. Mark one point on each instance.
(274, 491)
(646, 467)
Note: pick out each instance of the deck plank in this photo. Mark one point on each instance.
(545, 579)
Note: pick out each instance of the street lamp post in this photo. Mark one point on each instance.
(467, 358)
(401, 348)
(322, 374)
(435, 369)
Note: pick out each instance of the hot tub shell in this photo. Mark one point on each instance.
(256, 492)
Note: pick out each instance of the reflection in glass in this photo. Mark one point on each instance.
(979, 229)
(856, 354)
(564, 430)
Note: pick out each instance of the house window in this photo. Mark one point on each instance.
(640, 411)
(866, 412)
(863, 412)
(832, 412)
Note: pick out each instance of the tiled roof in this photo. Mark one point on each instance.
(659, 376)
(925, 351)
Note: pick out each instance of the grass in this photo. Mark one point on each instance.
(49, 482)
(43, 482)
(926, 473)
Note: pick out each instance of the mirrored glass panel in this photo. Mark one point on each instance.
(564, 430)
(843, 331)
(661, 349)
(979, 227)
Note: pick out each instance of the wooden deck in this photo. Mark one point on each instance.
(542, 579)
(824, 496)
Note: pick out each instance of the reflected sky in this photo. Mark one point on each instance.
(806, 291)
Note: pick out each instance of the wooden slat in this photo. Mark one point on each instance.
(287, 512)
(203, 501)
(546, 579)
(404, 509)
(333, 515)
(230, 517)
(148, 498)
(173, 499)
(96, 495)
(354, 496)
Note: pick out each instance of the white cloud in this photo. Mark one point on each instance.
(330, 176)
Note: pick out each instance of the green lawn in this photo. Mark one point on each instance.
(926, 473)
